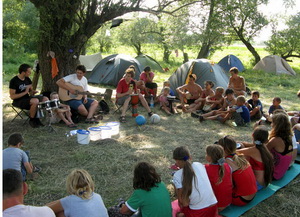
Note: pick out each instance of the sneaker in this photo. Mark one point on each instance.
(39, 123)
(201, 118)
(150, 114)
(195, 115)
(36, 169)
(33, 123)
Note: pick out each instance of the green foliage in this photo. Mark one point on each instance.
(286, 43)
(101, 41)
(20, 25)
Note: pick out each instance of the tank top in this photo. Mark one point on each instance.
(256, 165)
(282, 162)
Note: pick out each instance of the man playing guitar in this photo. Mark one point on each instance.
(85, 106)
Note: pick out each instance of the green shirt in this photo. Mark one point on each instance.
(153, 203)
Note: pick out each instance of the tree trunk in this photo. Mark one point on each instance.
(250, 48)
(204, 51)
(167, 53)
(185, 57)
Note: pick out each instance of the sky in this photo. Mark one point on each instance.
(275, 8)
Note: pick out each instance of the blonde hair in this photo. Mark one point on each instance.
(241, 99)
(216, 152)
(229, 145)
(80, 183)
(52, 94)
(220, 89)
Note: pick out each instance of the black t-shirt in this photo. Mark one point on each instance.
(20, 86)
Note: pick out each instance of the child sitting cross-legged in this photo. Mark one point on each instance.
(82, 201)
(259, 157)
(229, 102)
(61, 113)
(255, 106)
(244, 182)
(214, 102)
(164, 103)
(275, 106)
(219, 174)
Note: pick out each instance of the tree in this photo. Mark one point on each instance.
(286, 43)
(137, 32)
(66, 26)
(211, 30)
(246, 21)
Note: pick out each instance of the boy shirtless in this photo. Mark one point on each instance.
(236, 82)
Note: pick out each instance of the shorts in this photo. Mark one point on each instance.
(259, 186)
(54, 119)
(210, 211)
(240, 201)
(121, 100)
(151, 85)
(74, 103)
(238, 119)
(190, 101)
(25, 103)
(257, 116)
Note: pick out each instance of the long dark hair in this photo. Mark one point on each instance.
(145, 176)
(260, 137)
(182, 153)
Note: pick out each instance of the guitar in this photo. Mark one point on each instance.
(65, 95)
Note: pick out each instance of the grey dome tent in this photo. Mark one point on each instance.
(90, 61)
(112, 68)
(146, 60)
(275, 64)
(204, 69)
(231, 61)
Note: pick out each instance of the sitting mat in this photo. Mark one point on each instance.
(235, 211)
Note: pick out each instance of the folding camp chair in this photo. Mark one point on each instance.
(119, 107)
(19, 112)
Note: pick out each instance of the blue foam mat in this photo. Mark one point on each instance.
(235, 211)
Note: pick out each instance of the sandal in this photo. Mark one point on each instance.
(122, 119)
(91, 121)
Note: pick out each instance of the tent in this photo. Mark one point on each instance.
(204, 69)
(231, 61)
(146, 60)
(274, 63)
(90, 61)
(111, 69)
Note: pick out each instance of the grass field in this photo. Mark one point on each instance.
(111, 162)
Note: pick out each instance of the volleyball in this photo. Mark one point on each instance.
(154, 119)
(140, 120)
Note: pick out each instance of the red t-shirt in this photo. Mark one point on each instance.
(223, 191)
(123, 87)
(144, 78)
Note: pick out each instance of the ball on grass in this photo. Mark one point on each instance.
(154, 119)
(140, 120)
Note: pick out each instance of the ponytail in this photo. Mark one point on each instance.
(188, 174)
(260, 135)
(216, 153)
(240, 161)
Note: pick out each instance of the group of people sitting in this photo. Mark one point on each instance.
(233, 174)
(23, 96)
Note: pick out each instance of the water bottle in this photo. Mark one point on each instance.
(151, 102)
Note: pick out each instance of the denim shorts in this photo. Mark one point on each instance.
(74, 103)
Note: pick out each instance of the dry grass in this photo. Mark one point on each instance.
(111, 161)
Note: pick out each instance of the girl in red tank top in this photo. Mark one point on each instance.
(219, 174)
(259, 157)
(244, 182)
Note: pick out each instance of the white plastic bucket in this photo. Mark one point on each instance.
(115, 127)
(83, 137)
(105, 132)
(95, 133)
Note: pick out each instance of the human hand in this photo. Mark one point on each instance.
(72, 91)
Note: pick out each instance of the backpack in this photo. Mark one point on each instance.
(104, 107)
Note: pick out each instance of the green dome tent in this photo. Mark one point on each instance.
(204, 69)
(146, 60)
(112, 68)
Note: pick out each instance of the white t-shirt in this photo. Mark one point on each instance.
(75, 81)
(202, 195)
(75, 206)
(294, 141)
(28, 211)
